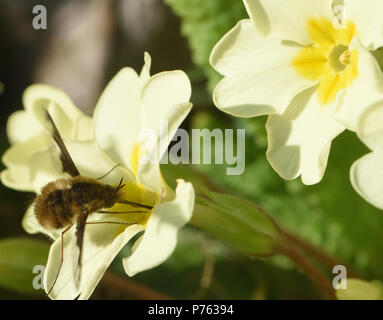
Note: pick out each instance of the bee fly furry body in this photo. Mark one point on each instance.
(64, 203)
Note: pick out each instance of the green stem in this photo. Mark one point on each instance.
(285, 243)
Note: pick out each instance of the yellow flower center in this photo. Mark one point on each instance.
(137, 193)
(135, 157)
(329, 59)
(131, 214)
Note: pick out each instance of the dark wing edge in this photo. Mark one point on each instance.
(66, 159)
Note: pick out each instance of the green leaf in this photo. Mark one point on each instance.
(203, 23)
(18, 257)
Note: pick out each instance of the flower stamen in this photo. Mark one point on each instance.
(345, 58)
(338, 57)
(329, 60)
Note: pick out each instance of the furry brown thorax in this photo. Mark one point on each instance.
(62, 201)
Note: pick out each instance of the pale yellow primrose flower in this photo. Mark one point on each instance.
(310, 71)
(358, 289)
(367, 173)
(27, 137)
(129, 104)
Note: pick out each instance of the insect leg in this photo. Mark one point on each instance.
(121, 212)
(80, 230)
(135, 204)
(62, 258)
(111, 222)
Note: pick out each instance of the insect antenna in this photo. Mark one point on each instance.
(110, 171)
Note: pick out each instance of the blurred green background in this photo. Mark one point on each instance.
(87, 42)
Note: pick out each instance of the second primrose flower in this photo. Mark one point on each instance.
(130, 103)
(367, 173)
(311, 70)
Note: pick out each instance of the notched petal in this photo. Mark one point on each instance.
(160, 237)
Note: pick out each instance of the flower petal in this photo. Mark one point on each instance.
(367, 178)
(28, 131)
(83, 128)
(21, 126)
(29, 223)
(364, 93)
(286, 20)
(18, 173)
(45, 166)
(117, 116)
(300, 139)
(150, 176)
(370, 127)
(367, 15)
(160, 237)
(101, 245)
(165, 105)
(358, 289)
(154, 144)
(354, 102)
(71, 122)
(145, 72)
(37, 97)
(9, 180)
(165, 98)
(32, 226)
(259, 74)
(31, 165)
(93, 162)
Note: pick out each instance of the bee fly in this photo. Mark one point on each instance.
(66, 202)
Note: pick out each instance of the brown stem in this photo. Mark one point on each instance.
(131, 288)
(310, 270)
(290, 246)
(313, 251)
(317, 253)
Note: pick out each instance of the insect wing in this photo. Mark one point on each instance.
(66, 160)
(78, 250)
